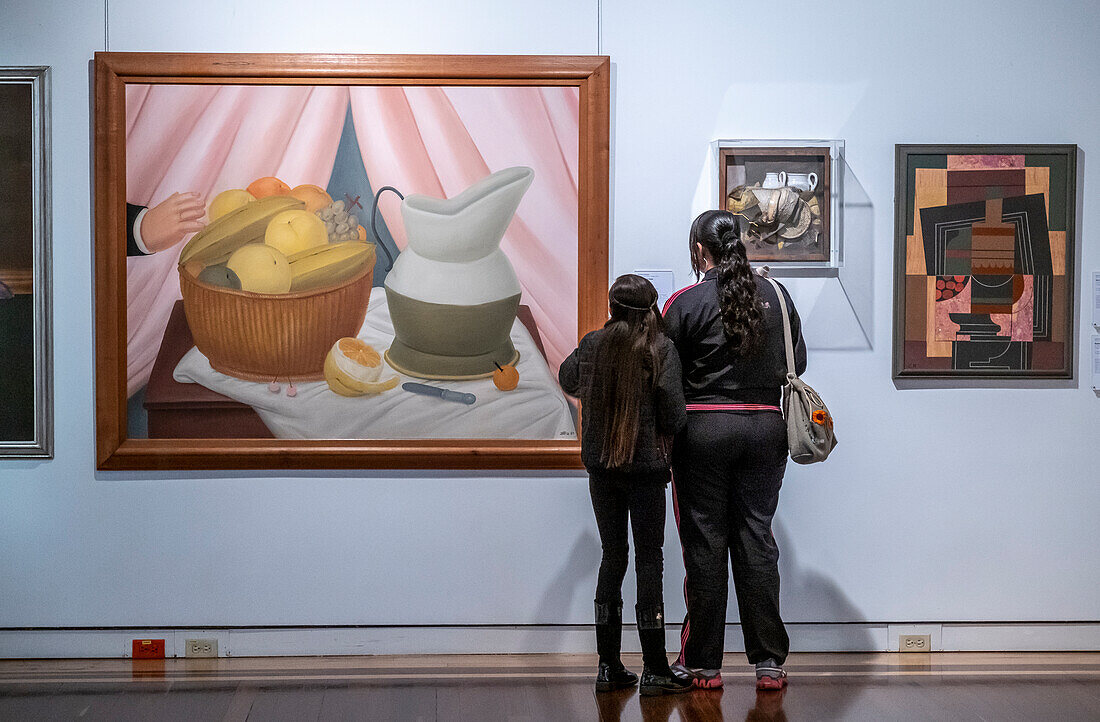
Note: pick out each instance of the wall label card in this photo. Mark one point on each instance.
(1096, 363)
(662, 280)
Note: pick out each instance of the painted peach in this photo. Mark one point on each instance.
(313, 196)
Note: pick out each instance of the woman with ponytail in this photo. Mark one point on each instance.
(627, 377)
(729, 459)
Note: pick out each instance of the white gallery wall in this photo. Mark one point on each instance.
(941, 505)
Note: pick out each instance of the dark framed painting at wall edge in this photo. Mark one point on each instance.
(26, 376)
(984, 261)
(264, 301)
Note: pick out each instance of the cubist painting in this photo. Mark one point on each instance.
(984, 259)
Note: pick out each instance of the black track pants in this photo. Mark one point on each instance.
(727, 469)
(614, 499)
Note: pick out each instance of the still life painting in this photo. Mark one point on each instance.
(355, 261)
(984, 261)
(785, 195)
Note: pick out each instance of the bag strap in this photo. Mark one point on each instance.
(786, 326)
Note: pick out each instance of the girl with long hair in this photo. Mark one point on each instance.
(627, 377)
(729, 459)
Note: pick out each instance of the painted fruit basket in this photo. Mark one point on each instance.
(267, 337)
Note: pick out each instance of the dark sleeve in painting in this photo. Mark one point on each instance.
(132, 212)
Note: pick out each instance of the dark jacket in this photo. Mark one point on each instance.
(713, 375)
(583, 375)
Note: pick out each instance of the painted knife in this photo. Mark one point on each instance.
(445, 394)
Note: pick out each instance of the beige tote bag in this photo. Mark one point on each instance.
(810, 435)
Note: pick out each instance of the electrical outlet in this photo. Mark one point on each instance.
(148, 649)
(914, 642)
(201, 648)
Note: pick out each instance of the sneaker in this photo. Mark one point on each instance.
(700, 678)
(612, 677)
(770, 675)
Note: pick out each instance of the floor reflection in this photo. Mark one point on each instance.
(701, 705)
(768, 707)
(612, 704)
(476, 688)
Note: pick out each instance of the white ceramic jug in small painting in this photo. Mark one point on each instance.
(774, 180)
(802, 181)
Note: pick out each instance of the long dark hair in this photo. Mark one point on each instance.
(628, 348)
(719, 233)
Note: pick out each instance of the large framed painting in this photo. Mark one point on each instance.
(984, 261)
(345, 261)
(26, 411)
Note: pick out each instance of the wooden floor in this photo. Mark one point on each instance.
(961, 686)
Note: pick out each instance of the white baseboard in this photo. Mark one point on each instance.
(532, 639)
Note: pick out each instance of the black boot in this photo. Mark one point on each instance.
(657, 678)
(609, 637)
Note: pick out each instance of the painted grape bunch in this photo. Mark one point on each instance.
(340, 225)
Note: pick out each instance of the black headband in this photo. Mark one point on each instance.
(634, 308)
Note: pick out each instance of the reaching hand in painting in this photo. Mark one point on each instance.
(169, 221)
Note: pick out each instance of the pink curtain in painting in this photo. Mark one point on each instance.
(435, 141)
(207, 139)
(438, 141)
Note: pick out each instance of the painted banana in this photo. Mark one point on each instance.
(247, 224)
(329, 264)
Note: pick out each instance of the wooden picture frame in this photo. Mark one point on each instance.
(993, 220)
(787, 157)
(26, 382)
(114, 71)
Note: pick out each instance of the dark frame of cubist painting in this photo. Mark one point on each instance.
(1062, 175)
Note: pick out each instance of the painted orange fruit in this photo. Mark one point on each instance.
(313, 196)
(506, 377)
(353, 368)
(268, 186)
(359, 351)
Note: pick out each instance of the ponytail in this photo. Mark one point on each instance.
(719, 232)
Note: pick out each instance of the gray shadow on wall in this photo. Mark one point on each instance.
(857, 271)
(806, 589)
(833, 607)
(576, 576)
(841, 316)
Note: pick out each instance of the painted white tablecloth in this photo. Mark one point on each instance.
(536, 409)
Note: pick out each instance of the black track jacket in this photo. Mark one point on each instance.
(712, 375)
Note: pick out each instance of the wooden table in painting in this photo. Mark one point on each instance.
(184, 410)
(189, 410)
